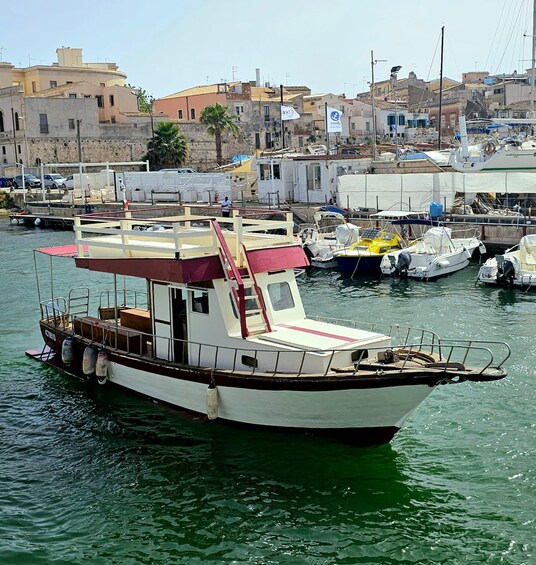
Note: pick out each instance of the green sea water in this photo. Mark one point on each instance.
(91, 474)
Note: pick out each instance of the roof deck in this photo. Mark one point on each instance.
(186, 235)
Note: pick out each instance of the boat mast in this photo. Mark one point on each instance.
(533, 63)
(441, 87)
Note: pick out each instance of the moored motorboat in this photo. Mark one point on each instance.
(365, 255)
(221, 331)
(516, 267)
(438, 253)
(330, 232)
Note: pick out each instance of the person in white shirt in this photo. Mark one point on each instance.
(226, 207)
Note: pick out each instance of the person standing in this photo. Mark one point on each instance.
(226, 207)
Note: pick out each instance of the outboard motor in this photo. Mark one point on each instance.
(505, 271)
(402, 265)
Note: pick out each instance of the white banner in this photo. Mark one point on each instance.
(288, 113)
(334, 120)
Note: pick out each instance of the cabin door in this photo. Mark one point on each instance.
(179, 324)
(170, 322)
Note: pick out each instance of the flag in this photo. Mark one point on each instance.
(334, 120)
(288, 113)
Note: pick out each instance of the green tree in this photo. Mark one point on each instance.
(218, 121)
(145, 100)
(168, 148)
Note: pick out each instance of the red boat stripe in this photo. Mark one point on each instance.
(317, 332)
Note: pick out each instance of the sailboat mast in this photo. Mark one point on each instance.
(441, 87)
(533, 59)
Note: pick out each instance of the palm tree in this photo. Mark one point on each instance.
(168, 148)
(218, 120)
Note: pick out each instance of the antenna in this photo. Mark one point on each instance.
(235, 68)
(2, 49)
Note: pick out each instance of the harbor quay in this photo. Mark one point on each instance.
(498, 232)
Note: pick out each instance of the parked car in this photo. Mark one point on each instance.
(30, 181)
(70, 180)
(54, 180)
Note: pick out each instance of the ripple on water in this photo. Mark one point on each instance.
(92, 475)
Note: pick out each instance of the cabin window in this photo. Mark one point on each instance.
(280, 296)
(199, 300)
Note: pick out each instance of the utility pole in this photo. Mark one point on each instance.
(78, 122)
(394, 81)
(374, 130)
(441, 88)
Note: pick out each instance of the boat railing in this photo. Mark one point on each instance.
(477, 356)
(174, 234)
(410, 345)
(55, 312)
(123, 298)
(399, 334)
(466, 233)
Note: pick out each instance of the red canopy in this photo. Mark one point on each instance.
(61, 250)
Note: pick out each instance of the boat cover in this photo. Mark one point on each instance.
(439, 238)
(527, 252)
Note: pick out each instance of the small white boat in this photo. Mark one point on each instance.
(211, 321)
(516, 267)
(435, 255)
(324, 237)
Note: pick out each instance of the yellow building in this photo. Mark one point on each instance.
(69, 69)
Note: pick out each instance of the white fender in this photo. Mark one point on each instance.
(212, 402)
(89, 360)
(101, 367)
(67, 351)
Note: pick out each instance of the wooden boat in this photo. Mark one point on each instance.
(221, 330)
(516, 267)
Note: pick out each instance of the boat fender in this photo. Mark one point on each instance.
(67, 351)
(101, 367)
(212, 402)
(37, 221)
(14, 221)
(89, 360)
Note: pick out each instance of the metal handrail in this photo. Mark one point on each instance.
(453, 351)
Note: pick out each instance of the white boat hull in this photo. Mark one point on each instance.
(382, 407)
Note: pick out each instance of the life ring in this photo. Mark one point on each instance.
(489, 148)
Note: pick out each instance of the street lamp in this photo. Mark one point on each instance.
(372, 63)
(394, 73)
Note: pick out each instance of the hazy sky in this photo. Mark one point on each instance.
(168, 45)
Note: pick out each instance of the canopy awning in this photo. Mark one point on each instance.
(61, 250)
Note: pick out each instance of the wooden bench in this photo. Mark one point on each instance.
(118, 337)
(136, 319)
